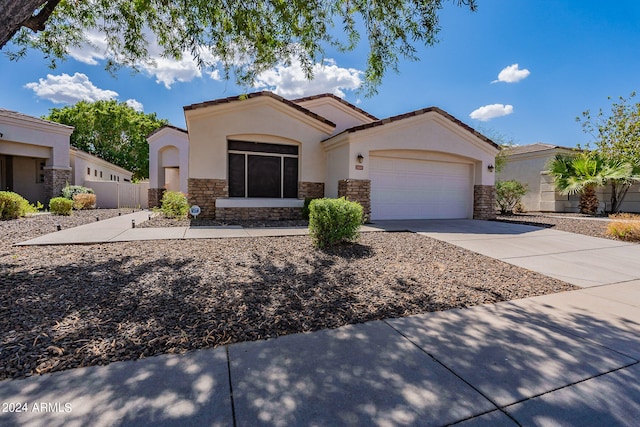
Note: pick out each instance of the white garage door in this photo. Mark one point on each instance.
(420, 189)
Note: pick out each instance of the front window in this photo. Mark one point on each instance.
(263, 170)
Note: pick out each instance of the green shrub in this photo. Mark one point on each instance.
(60, 206)
(174, 204)
(84, 201)
(13, 205)
(509, 195)
(71, 190)
(305, 208)
(333, 221)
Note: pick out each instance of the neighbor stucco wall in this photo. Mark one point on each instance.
(99, 169)
(261, 119)
(25, 179)
(526, 169)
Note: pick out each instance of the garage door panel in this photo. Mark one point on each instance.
(419, 189)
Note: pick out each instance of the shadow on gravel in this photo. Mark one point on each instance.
(364, 374)
(529, 223)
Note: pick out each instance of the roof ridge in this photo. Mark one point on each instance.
(255, 95)
(337, 98)
(414, 114)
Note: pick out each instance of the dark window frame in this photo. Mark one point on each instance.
(241, 185)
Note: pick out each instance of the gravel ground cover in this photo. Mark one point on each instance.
(563, 222)
(159, 220)
(63, 307)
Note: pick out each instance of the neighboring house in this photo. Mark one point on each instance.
(259, 156)
(528, 164)
(37, 160)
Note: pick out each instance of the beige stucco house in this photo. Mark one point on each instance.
(258, 156)
(37, 160)
(528, 164)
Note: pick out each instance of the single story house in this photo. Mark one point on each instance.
(528, 164)
(37, 160)
(258, 156)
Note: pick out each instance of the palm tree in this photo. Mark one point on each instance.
(583, 173)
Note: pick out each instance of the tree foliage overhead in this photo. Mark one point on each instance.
(112, 131)
(246, 37)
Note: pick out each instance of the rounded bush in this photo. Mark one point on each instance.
(84, 201)
(70, 191)
(60, 206)
(334, 221)
(13, 205)
(174, 204)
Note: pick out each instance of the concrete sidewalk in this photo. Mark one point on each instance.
(120, 229)
(564, 359)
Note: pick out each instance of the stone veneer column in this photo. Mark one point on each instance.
(357, 190)
(310, 190)
(484, 202)
(155, 196)
(204, 192)
(55, 179)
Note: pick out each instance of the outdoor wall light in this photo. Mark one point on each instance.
(491, 168)
(360, 158)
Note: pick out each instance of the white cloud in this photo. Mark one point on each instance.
(69, 89)
(488, 112)
(290, 81)
(92, 51)
(135, 104)
(512, 74)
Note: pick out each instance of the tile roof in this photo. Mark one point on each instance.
(418, 113)
(170, 127)
(337, 98)
(255, 95)
(533, 148)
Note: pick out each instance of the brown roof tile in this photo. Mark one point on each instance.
(255, 95)
(532, 148)
(337, 98)
(170, 127)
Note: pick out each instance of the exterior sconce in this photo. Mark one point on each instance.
(360, 158)
(491, 168)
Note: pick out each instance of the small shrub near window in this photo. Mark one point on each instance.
(509, 195)
(625, 230)
(334, 221)
(13, 205)
(60, 206)
(174, 204)
(84, 201)
(71, 190)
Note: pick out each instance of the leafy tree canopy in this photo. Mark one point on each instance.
(245, 37)
(616, 135)
(112, 131)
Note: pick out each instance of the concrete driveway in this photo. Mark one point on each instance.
(580, 260)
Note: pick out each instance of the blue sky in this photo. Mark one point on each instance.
(570, 55)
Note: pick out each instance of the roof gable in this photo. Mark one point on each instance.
(416, 113)
(232, 99)
(332, 97)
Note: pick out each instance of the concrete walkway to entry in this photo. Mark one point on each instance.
(120, 229)
(570, 359)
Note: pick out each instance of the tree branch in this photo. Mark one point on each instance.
(36, 22)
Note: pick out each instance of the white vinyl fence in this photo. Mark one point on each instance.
(110, 194)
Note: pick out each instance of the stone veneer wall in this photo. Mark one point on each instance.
(357, 190)
(484, 202)
(204, 192)
(271, 214)
(311, 190)
(54, 181)
(154, 196)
